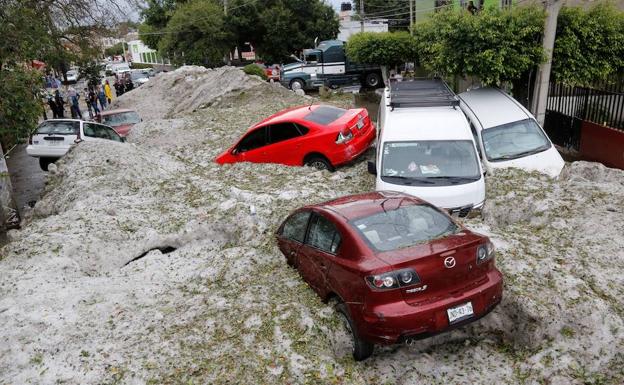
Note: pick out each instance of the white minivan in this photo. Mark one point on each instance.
(507, 134)
(425, 147)
(53, 138)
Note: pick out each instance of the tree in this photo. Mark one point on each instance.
(196, 34)
(117, 49)
(20, 103)
(496, 45)
(384, 48)
(155, 15)
(589, 44)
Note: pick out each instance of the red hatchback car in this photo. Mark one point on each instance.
(318, 135)
(399, 268)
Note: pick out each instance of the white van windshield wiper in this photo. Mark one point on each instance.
(523, 153)
(409, 179)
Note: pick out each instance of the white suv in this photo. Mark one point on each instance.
(53, 138)
(425, 147)
(507, 134)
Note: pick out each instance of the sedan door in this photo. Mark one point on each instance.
(253, 147)
(291, 236)
(286, 143)
(318, 252)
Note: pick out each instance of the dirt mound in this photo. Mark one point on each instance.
(192, 88)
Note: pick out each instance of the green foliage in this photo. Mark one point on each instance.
(385, 48)
(90, 70)
(20, 103)
(589, 45)
(196, 34)
(140, 66)
(275, 28)
(252, 69)
(117, 49)
(495, 45)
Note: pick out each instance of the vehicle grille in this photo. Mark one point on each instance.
(460, 211)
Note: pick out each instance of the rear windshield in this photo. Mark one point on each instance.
(403, 226)
(60, 128)
(121, 118)
(325, 114)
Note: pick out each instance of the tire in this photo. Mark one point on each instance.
(361, 349)
(45, 162)
(296, 84)
(372, 80)
(319, 163)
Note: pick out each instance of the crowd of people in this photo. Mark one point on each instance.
(96, 97)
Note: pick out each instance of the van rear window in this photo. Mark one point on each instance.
(325, 114)
(59, 128)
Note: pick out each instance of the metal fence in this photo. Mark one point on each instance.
(568, 106)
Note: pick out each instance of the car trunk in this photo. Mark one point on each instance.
(441, 280)
(355, 120)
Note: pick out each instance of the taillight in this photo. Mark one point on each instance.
(393, 279)
(344, 136)
(485, 252)
(360, 123)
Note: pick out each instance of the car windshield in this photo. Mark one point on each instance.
(514, 140)
(403, 226)
(324, 115)
(121, 118)
(429, 162)
(138, 75)
(59, 128)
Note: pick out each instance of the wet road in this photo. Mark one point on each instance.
(27, 178)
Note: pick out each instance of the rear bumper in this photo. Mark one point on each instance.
(400, 321)
(354, 148)
(46, 151)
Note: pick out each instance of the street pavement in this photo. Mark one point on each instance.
(26, 176)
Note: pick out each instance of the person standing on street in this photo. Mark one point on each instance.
(85, 94)
(52, 106)
(118, 88)
(60, 104)
(75, 107)
(93, 101)
(101, 97)
(108, 92)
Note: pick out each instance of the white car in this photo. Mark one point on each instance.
(120, 68)
(425, 147)
(53, 138)
(507, 134)
(72, 76)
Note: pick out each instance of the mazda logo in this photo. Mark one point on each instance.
(449, 262)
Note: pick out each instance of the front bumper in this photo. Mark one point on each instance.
(400, 321)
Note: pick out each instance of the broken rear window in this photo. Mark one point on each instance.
(60, 128)
(325, 114)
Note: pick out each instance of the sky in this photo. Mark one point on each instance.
(336, 3)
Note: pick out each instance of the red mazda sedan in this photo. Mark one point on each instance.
(399, 268)
(317, 135)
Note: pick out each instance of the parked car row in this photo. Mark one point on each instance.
(54, 137)
(397, 264)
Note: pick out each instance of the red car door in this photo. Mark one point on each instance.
(318, 252)
(291, 236)
(253, 147)
(287, 143)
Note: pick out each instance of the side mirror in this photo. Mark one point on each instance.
(234, 151)
(123, 139)
(372, 168)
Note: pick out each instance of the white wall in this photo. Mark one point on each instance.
(348, 28)
(140, 53)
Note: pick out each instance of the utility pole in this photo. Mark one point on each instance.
(542, 80)
(411, 17)
(361, 15)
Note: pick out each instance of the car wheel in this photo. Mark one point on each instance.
(45, 162)
(319, 163)
(372, 80)
(361, 349)
(296, 84)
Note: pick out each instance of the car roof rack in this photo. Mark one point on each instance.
(421, 93)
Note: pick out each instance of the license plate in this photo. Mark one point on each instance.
(54, 142)
(459, 312)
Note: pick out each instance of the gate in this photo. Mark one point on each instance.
(569, 106)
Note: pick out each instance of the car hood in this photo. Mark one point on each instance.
(448, 197)
(123, 129)
(548, 162)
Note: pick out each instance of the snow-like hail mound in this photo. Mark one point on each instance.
(146, 263)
